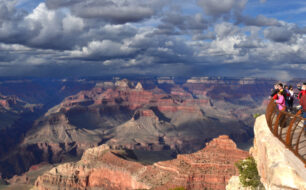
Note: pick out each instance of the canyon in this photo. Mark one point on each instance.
(156, 119)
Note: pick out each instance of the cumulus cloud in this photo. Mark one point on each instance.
(102, 50)
(42, 28)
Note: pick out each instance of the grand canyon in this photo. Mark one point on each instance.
(160, 94)
(143, 122)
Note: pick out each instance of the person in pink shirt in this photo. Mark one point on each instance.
(280, 101)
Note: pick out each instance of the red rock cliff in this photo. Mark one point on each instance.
(100, 167)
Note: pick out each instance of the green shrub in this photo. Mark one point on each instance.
(255, 115)
(178, 188)
(248, 173)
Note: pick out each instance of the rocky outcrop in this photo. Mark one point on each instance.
(235, 184)
(15, 105)
(101, 167)
(30, 176)
(278, 167)
(139, 86)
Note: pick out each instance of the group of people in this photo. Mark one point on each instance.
(284, 97)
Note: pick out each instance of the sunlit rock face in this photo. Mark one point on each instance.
(104, 168)
(278, 167)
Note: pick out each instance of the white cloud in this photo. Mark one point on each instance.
(104, 49)
(72, 23)
(13, 47)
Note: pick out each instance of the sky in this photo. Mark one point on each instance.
(78, 38)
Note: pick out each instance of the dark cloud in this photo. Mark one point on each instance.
(209, 35)
(259, 20)
(222, 7)
(248, 44)
(114, 11)
(279, 34)
(176, 23)
(54, 4)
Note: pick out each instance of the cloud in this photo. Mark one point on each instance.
(110, 37)
(101, 50)
(218, 8)
(226, 29)
(279, 34)
(175, 23)
(42, 28)
(54, 4)
(259, 20)
(114, 11)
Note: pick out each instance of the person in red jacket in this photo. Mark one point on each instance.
(302, 98)
(274, 92)
(302, 92)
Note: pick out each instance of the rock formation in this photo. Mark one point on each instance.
(15, 105)
(139, 86)
(104, 168)
(235, 184)
(278, 167)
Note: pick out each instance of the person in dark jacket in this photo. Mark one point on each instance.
(290, 98)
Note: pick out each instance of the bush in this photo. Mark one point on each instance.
(255, 115)
(248, 172)
(178, 188)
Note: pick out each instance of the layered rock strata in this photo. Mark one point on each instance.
(104, 168)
